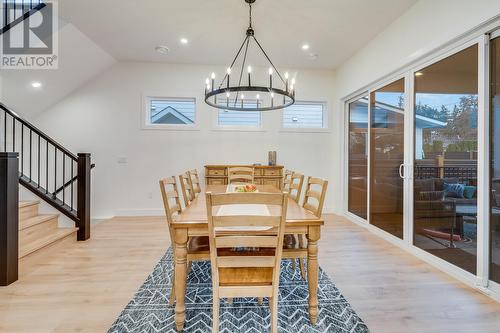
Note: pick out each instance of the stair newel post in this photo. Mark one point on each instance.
(9, 218)
(83, 196)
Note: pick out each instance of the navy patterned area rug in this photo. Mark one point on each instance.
(149, 311)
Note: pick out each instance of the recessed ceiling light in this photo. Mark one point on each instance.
(184, 41)
(305, 47)
(162, 49)
(36, 84)
(313, 56)
(419, 74)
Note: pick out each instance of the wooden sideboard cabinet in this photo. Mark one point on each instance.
(263, 174)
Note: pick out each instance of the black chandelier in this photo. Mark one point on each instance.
(245, 96)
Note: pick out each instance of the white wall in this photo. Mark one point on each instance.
(80, 59)
(104, 118)
(426, 26)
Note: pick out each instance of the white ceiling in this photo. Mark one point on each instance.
(334, 29)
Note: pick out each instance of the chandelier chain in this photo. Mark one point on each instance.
(270, 102)
(242, 67)
(250, 15)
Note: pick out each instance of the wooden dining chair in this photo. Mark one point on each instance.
(287, 176)
(240, 175)
(252, 273)
(197, 246)
(195, 180)
(314, 198)
(187, 188)
(296, 183)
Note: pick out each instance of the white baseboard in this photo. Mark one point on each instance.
(140, 212)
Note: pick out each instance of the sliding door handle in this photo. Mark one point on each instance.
(401, 167)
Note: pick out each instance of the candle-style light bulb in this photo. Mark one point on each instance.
(213, 80)
(207, 81)
(258, 96)
(249, 69)
(228, 71)
(242, 96)
(208, 86)
(286, 75)
(293, 81)
(272, 95)
(291, 87)
(228, 94)
(270, 77)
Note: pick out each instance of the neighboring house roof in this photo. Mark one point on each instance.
(170, 115)
(361, 117)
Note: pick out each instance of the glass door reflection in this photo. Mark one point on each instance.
(445, 176)
(386, 157)
(358, 158)
(495, 162)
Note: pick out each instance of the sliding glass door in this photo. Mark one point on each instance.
(494, 265)
(387, 157)
(357, 203)
(440, 144)
(445, 159)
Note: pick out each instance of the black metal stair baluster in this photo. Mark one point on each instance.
(5, 11)
(31, 148)
(47, 167)
(13, 134)
(5, 132)
(72, 183)
(63, 177)
(55, 171)
(38, 164)
(21, 157)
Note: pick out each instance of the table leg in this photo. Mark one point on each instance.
(180, 254)
(313, 236)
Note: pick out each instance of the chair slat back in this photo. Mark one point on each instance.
(195, 180)
(171, 200)
(187, 188)
(240, 175)
(315, 193)
(296, 183)
(234, 230)
(287, 177)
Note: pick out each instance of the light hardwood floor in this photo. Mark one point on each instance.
(84, 287)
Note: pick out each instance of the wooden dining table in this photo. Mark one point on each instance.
(193, 222)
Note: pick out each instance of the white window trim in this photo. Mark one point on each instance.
(146, 125)
(229, 128)
(326, 120)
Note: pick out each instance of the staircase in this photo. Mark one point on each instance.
(61, 179)
(32, 159)
(38, 232)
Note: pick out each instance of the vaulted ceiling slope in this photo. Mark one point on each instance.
(80, 60)
(334, 29)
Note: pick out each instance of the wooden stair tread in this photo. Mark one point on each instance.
(32, 221)
(42, 242)
(23, 204)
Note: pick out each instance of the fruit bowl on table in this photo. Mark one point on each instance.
(245, 188)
